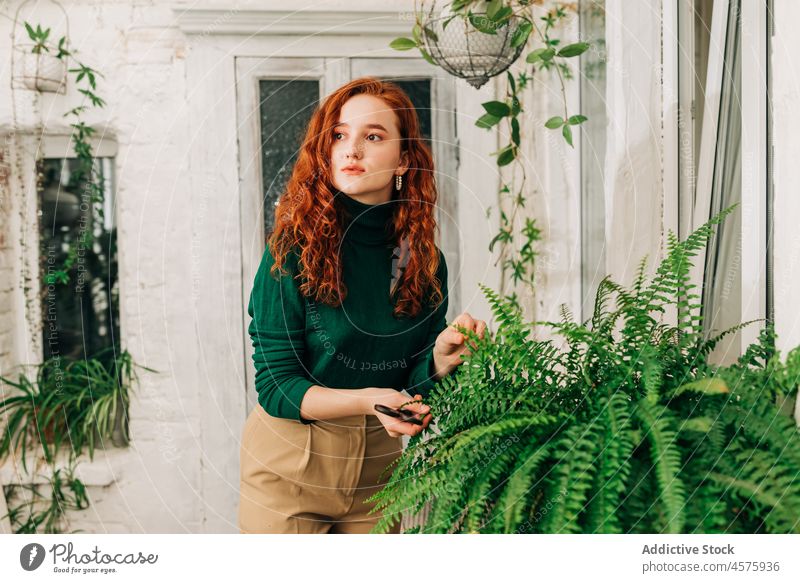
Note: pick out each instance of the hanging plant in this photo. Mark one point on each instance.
(480, 39)
(42, 66)
(476, 47)
(86, 173)
(53, 77)
(41, 69)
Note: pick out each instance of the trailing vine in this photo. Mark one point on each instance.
(85, 173)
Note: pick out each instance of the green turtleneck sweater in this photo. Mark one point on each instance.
(300, 342)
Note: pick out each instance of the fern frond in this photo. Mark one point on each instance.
(571, 478)
(657, 424)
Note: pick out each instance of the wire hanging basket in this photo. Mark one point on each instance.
(34, 66)
(457, 46)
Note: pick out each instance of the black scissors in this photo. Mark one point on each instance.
(402, 414)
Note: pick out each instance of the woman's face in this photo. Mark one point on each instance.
(365, 155)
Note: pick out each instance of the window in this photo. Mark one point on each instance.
(723, 161)
(419, 91)
(285, 108)
(80, 288)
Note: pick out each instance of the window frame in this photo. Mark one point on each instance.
(755, 270)
(39, 147)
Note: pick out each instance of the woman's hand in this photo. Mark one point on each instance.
(451, 344)
(394, 399)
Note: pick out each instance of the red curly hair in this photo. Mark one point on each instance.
(306, 218)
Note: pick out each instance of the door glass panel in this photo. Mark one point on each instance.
(285, 110)
(80, 296)
(419, 91)
(722, 281)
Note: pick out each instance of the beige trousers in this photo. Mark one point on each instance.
(312, 478)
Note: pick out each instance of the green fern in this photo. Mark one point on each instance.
(618, 425)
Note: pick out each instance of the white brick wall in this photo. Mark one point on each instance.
(6, 291)
(6, 261)
(137, 47)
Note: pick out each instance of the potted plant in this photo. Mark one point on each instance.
(82, 404)
(43, 67)
(625, 427)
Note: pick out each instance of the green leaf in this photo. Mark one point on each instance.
(482, 23)
(430, 34)
(567, 132)
(521, 34)
(502, 15)
(497, 108)
(402, 44)
(511, 81)
(699, 424)
(577, 119)
(541, 54)
(487, 120)
(427, 57)
(573, 50)
(554, 122)
(515, 131)
(506, 156)
(448, 21)
(493, 7)
(710, 386)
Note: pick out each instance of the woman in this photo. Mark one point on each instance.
(348, 309)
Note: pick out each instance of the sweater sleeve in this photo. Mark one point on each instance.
(421, 376)
(277, 330)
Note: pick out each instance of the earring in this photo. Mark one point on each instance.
(398, 182)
